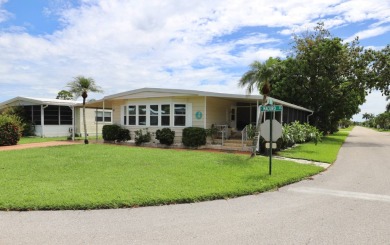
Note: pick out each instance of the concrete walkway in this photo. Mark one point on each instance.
(347, 204)
(36, 145)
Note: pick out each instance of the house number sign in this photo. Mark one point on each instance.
(198, 115)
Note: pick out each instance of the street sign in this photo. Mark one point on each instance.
(268, 145)
(267, 108)
(276, 130)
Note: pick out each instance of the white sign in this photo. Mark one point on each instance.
(276, 130)
(267, 145)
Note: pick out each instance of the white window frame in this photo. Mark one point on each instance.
(103, 112)
(188, 114)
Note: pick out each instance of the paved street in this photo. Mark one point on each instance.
(347, 204)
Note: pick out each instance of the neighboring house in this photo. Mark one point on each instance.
(54, 117)
(156, 108)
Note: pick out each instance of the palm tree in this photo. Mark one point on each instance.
(259, 76)
(81, 86)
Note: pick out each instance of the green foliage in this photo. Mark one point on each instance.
(212, 133)
(383, 120)
(324, 74)
(166, 136)
(118, 177)
(251, 131)
(345, 123)
(194, 136)
(142, 137)
(115, 133)
(64, 95)
(28, 127)
(10, 129)
(381, 71)
(296, 133)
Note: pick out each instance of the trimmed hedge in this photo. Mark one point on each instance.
(10, 129)
(194, 137)
(115, 133)
(166, 136)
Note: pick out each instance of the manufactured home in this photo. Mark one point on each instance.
(156, 108)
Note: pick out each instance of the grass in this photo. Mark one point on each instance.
(325, 151)
(108, 176)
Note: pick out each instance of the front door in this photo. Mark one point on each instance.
(233, 117)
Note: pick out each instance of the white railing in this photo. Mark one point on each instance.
(223, 130)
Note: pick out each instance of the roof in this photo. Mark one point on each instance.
(161, 92)
(37, 101)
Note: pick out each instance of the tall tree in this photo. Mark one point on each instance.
(388, 104)
(81, 86)
(381, 70)
(64, 95)
(325, 75)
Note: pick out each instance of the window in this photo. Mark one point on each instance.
(159, 115)
(153, 115)
(52, 113)
(65, 115)
(165, 115)
(180, 115)
(132, 114)
(107, 116)
(142, 115)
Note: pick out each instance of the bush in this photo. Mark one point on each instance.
(123, 135)
(115, 133)
(10, 129)
(166, 136)
(194, 137)
(27, 127)
(141, 137)
(298, 133)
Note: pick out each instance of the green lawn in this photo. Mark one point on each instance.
(108, 176)
(325, 151)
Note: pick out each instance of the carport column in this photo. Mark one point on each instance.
(73, 122)
(43, 120)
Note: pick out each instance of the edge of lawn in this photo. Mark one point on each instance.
(325, 151)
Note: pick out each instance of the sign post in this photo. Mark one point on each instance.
(270, 124)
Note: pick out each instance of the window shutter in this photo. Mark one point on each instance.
(189, 115)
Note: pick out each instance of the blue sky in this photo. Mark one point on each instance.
(203, 45)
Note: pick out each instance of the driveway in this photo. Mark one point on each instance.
(347, 204)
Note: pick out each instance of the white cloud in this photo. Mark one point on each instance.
(126, 45)
(373, 32)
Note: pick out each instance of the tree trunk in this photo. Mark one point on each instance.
(85, 124)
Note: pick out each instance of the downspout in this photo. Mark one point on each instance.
(307, 120)
(96, 122)
(43, 107)
(205, 113)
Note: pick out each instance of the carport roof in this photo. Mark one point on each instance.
(37, 101)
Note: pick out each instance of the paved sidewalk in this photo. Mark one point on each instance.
(36, 145)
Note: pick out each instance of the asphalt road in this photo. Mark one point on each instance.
(347, 204)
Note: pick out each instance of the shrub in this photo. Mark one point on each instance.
(141, 137)
(194, 137)
(298, 133)
(123, 135)
(27, 127)
(115, 133)
(166, 136)
(212, 133)
(110, 132)
(10, 129)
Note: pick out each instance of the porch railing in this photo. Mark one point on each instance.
(223, 130)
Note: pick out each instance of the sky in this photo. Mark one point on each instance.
(201, 45)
